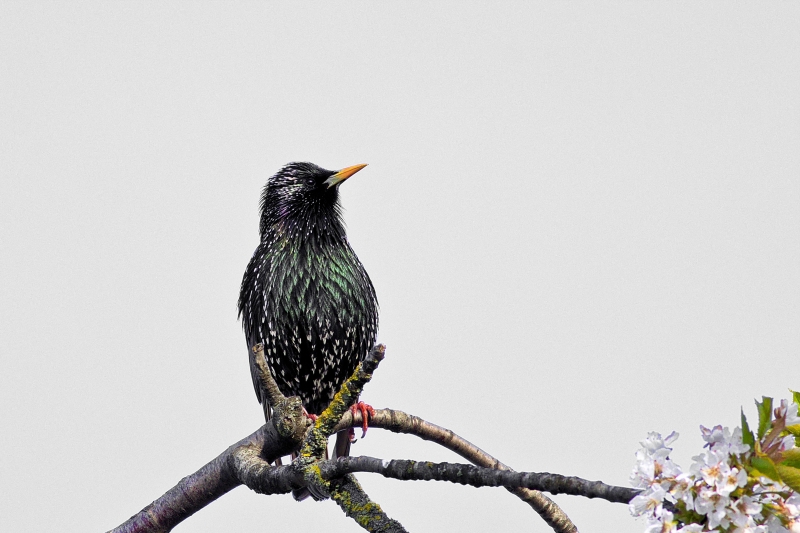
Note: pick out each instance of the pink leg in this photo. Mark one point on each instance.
(366, 412)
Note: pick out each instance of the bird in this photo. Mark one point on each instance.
(305, 295)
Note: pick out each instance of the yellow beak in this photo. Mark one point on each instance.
(343, 174)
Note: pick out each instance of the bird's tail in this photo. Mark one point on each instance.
(340, 449)
(301, 494)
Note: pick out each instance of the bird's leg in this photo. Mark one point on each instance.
(366, 412)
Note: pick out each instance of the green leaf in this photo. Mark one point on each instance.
(747, 434)
(764, 416)
(795, 397)
(791, 458)
(795, 430)
(789, 475)
(765, 467)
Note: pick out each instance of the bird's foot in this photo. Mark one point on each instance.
(366, 412)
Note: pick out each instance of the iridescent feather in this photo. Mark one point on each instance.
(305, 294)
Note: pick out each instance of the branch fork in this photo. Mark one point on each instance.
(248, 462)
(345, 490)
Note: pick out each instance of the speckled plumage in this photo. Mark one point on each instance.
(305, 294)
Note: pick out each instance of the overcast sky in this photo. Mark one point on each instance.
(582, 221)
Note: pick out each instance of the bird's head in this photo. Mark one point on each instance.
(302, 193)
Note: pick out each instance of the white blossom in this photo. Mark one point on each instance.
(750, 529)
(774, 525)
(648, 501)
(723, 440)
(715, 434)
(787, 443)
(793, 503)
(787, 412)
(716, 487)
(742, 511)
(681, 490)
(653, 460)
(644, 471)
(717, 473)
(690, 528)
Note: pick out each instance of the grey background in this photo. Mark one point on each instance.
(581, 220)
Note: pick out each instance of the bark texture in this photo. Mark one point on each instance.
(248, 462)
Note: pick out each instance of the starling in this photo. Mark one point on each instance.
(305, 295)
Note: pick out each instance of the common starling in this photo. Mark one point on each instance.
(305, 295)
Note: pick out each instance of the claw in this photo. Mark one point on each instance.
(366, 412)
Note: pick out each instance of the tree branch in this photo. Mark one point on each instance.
(219, 476)
(400, 422)
(259, 476)
(316, 443)
(248, 462)
(305, 471)
(347, 492)
(476, 476)
(265, 380)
